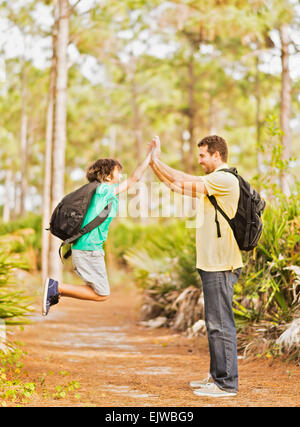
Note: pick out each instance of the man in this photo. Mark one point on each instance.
(219, 259)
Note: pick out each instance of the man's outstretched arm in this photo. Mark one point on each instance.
(164, 168)
(178, 181)
(176, 174)
(191, 188)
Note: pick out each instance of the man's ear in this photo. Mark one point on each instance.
(217, 155)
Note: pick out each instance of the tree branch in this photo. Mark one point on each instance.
(73, 7)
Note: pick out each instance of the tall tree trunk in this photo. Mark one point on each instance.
(59, 130)
(259, 157)
(192, 114)
(182, 152)
(24, 141)
(137, 128)
(46, 209)
(8, 191)
(142, 186)
(16, 211)
(285, 106)
(136, 117)
(113, 141)
(212, 113)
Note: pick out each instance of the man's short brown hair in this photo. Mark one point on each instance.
(215, 143)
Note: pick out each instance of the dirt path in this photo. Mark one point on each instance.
(118, 363)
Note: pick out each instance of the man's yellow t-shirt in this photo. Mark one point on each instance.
(213, 253)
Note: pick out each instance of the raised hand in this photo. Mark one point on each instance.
(151, 146)
(156, 150)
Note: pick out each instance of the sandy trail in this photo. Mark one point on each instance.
(118, 363)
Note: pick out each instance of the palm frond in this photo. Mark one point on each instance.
(290, 338)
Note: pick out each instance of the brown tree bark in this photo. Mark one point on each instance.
(24, 141)
(259, 157)
(8, 191)
(59, 130)
(191, 115)
(46, 208)
(136, 114)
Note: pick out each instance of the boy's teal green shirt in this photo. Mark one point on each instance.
(94, 240)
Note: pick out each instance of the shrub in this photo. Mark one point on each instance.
(14, 304)
(23, 236)
(267, 293)
(163, 261)
(268, 289)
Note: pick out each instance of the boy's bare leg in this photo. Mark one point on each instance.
(85, 292)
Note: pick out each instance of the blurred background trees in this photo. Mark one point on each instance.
(180, 69)
(83, 79)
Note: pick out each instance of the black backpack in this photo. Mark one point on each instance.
(247, 224)
(68, 216)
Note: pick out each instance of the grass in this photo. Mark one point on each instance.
(17, 390)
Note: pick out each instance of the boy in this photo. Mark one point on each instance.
(87, 251)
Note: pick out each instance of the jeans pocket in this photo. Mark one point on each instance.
(233, 276)
(237, 272)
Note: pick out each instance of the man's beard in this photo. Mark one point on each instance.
(208, 169)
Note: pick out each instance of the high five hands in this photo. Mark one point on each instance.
(154, 149)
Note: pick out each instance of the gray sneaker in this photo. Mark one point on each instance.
(212, 390)
(201, 383)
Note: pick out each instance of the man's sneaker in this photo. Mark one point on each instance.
(212, 390)
(50, 295)
(201, 383)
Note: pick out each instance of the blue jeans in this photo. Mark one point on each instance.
(220, 325)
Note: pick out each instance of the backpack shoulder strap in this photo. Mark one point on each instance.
(214, 202)
(87, 228)
(230, 170)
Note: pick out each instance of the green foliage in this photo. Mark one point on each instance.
(268, 289)
(63, 390)
(14, 304)
(16, 390)
(23, 237)
(13, 390)
(138, 44)
(163, 261)
(16, 241)
(31, 221)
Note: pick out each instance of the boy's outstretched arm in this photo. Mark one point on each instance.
(137, 174)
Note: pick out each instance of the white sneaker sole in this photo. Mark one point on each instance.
(45, 293)
(213, 394)
(199, 384)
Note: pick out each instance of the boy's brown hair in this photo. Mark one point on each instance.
(102, 169)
